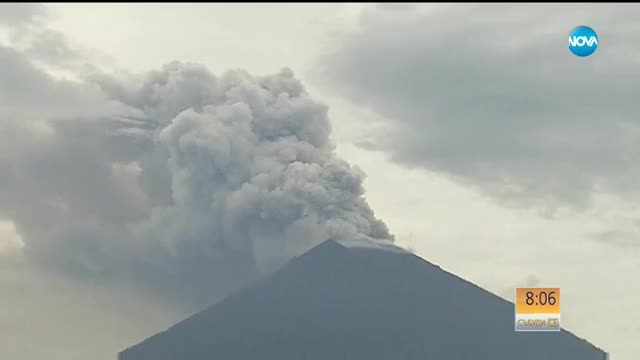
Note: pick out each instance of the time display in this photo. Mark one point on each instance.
(542, 297)
(537, 301)
(537, 309)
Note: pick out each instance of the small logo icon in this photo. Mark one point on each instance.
(583, 41)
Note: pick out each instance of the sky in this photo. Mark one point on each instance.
(469, 133)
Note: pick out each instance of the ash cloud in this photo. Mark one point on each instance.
(177, 180)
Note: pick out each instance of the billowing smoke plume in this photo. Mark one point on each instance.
(183, 181)
(243, 164)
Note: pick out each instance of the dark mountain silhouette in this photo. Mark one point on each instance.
(339, 303)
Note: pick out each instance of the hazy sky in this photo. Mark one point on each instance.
(488, 148)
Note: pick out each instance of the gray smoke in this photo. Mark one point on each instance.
(247, 162)
(178, 180)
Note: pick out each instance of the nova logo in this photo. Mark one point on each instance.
(583, 41)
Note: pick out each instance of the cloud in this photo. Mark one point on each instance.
(625, 235)
(490, 96)
(178, 181)
(10, 240)
(16, 14)
(47, 316)
(622, 239)
(26, 29)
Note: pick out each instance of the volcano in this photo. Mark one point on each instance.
(345, 302)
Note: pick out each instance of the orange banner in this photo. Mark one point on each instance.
(537, 301)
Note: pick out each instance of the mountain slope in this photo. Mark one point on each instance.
(337, 302)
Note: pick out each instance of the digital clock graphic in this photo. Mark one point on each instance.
(537, 309)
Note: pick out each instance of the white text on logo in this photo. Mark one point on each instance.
(582, 41)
